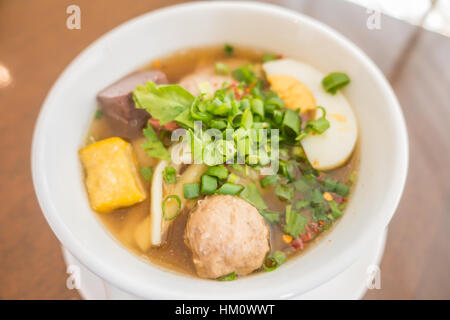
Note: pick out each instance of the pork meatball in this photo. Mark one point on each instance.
(226, 234)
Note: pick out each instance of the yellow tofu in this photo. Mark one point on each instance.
(112, 178)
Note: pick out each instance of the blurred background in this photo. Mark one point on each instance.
(408, 40)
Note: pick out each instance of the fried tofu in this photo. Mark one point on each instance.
(112, 178)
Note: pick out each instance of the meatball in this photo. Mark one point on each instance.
(226, 234)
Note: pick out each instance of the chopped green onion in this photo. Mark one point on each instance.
(163, 205)
(258, 107)
(228, 277)
(275, 101)
(191, 190)
(247, 119)
(291, 120)
(269, 180)
(170, 175)
(218, 124)
(274, 261)
(334, 81)
(221, 68)
(208, 184)
(230, 188)
(147, 173)
(218, 171)
(284, 192)
(319, 125)
(228, 49)
(98, 114)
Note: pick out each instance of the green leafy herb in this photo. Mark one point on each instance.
(191, 190)
(218, 171)
(170, 175)
(228, 277)
(342, 189)
(284, 192)
(153, 146)
(271, 216)
(163, 102)
(319, 213)
(147, 173)
(251, 194)
(334, 81)
(295, 222)
(228, 49)
(316, 197)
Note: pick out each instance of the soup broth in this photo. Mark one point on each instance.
(122, 223)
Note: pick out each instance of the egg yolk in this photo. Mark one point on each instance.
(294, 93)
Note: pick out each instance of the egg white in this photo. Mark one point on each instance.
(332, 148)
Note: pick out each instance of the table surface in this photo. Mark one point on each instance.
(36, 46)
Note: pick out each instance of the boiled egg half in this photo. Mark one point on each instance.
(300, 86)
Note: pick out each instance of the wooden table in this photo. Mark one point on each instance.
(35, 46)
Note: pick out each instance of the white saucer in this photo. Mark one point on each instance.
(350, 284)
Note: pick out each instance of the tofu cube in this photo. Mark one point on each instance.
(112, 178)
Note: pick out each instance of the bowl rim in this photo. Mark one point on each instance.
(133, 286)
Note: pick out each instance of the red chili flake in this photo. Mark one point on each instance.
(279, 56)
(171, 126)
(154, 123)
(297, 244)
(320, 177)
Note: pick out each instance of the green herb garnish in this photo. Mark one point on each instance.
(163, 206)
(191, 190)
(170, 175)
(295, 222)
(334, 81)
(208, 184)
(228, 49)
(153, 146)
(228, 277)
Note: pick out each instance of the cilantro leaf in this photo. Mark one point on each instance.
(153, 146)
(162, 102)
(295, 222)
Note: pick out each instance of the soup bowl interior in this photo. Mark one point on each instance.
(66, 114)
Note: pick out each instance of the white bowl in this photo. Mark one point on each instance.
(70, 105)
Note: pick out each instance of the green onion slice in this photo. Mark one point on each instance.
(163, 205)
